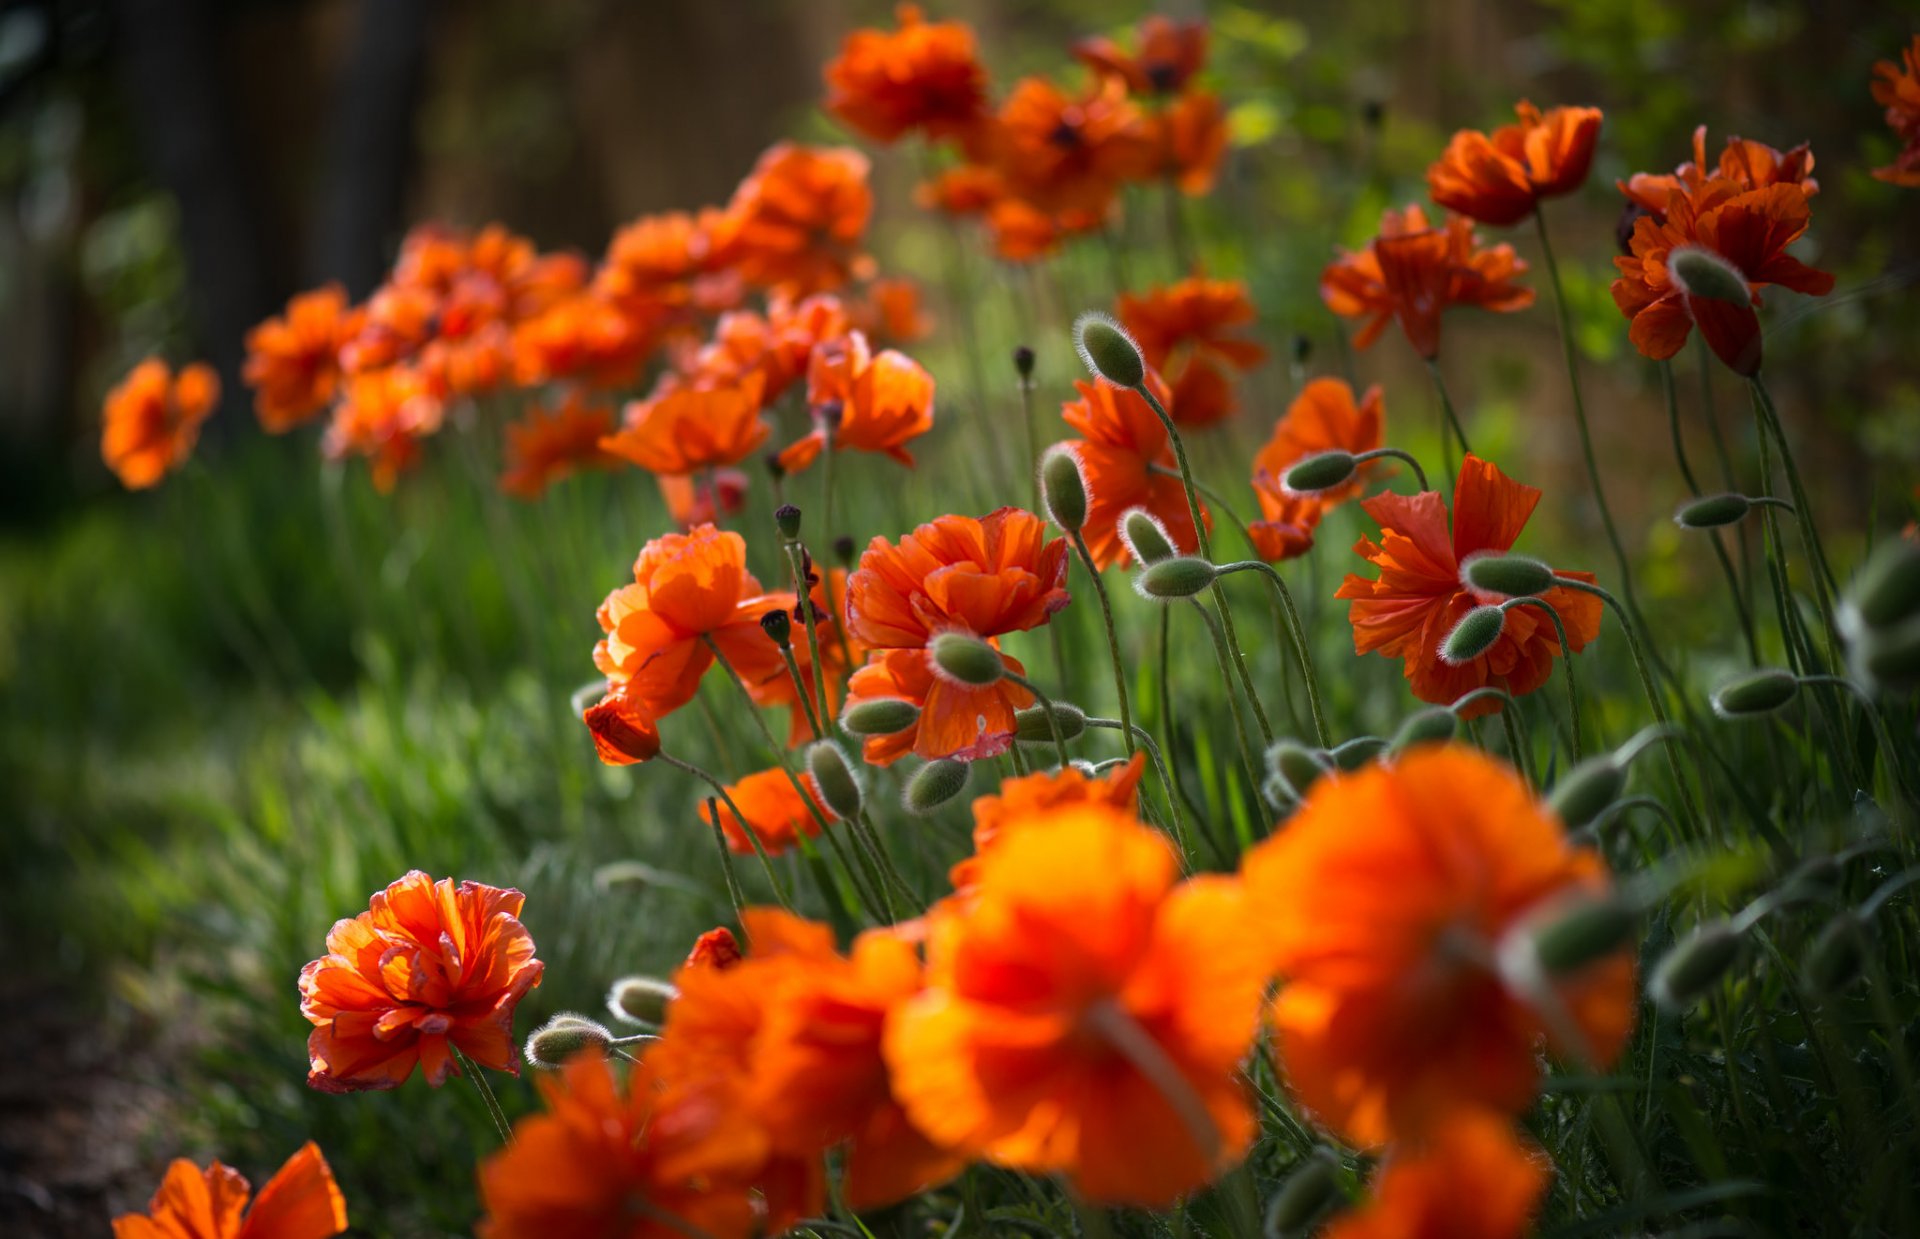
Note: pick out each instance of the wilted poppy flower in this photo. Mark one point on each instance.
(428, 968)
(687, 430)
(1170, 54)
(1128, 463)
(796, 222)
(1896, 87)
(1059, 152)
(1085, 1013)
(956, 720)
(1744, 233)
(1412, 272)
(153, 420)
(1499, 178)
(1748, 164)
(1323, 417)
(776, 814)
(293, 362)
(548, 445)
(623, 727)
(1190, 138)
(383, 416)
(717, 948)
(1394, 1012)
(925, 76)
(1473, 1177)
(1185, 328)
(301, 1201)
(1026, 798)
(875, 402)
(987, 576)
(1421, 595)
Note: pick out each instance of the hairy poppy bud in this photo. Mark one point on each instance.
(1031, 725)
(1356, 752)
(1180, 577)
(1063, 488)
(625, 875)
(1297, 766)
(833, 778)
(1702, 273)
(1108, 350)
(1886, 590)
(1322, 471)
(1834, 959)
(641, 1000)
(1278, 792)
(1755, 693)
(1514, 576)
(965, 658)
(1585, 791)
(1310, 1192)
(1146, 538)
(935, 783)
(1696, 962)
(563, 1036)
(843, 550)
(1473, 636)
(1713, 511)
(1432, 726)
(1586, 929)
(880, 716)
(779, 628)
(1023, 362)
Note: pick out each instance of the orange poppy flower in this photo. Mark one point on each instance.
(1746, 231)
(1062, 153)
(1122, 445)
(1748, 164)
(1473, 1178)
(1896, 87)
(1393, 1012)
(393, 327)
(301, 1201)
(876, 402)
(1084, 1013)
(774, 812)
(687, 430)
(1500, 178)
(1411, 272)
(153, 420)
(1420, 595)
(987, 576)
(548, 445)
(623, 727)
(1170, 54)
(1025, 799)
(669, 268)
(717, 948)
(1184, 327)
(702, 499)
(1323, 417)
(892, 312)
(796, 222)
(688, 589)
(1022, 232)
(925, 76)
(384, 415)
(647, 1161)
(427, 969)
(777, 346)
(967, 189)
(956, 720)
(1190, 136)
(586, 337)
(293, 362)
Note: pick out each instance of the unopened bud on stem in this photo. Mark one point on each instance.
(1756, 693)
(642, 1000)
(563, 1036)
(1032, 726)
(880, 716)
(1586, 790)
(966, 659)
(1145, 537)
(1432, 726)
(1702, 273)
(786, 518)
(1713, 511)
(1694, 965)
(1473, 636)
(1063, 488)
(1108, 350)
(1514, 576)
(1322, 471)
(833, 777)
(935, 783)
(1180, 577)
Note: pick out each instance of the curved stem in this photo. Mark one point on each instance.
(1233, 701)
(753, 837)
(1509, 712)
(1566, 661)
(1053, 721)
(1823, 578)
(1174, 793)
(803, 602)
(1419, 474)
(480, 1085)
(1299, 634)
(1113, 636)
(1446, 406)
(1747, 629)
(734, 893)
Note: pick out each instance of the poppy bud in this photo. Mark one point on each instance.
(1309, 1193)
(1302, 348)
(965, 658)
(1696, 962)
(1432, 726)
(880, 716)
(1023, 363)
(1473, 636)
(1180, 577)
(623, 732)
(1585, 791)
(1755, 693)
(1699, 272)
(1108, 350)
(843, 550)
(1513, 576)
(641, 1000)
(1586, 929)
(786, 518)
(1356, 752)
(1834, 959)
(1031, 726)
(1888, 658)
(1146, 538)
(1063, 488)
(935, 783)
(833, 778)
(563, 1036)
(1321, 471)
(1886, 590)
(778, 627)
(1713, 511)
(624, 875)
(1297, 766)
(1278, 793)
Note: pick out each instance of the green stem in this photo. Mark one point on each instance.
(1446, 407)
(803, 602)
(726, 798)
(1693, 486)
(1566, 661)
(1823, 578)
(1233, 700)
(1046, 704)
(1113, 637)
(1174, 793)
(734, 893)
(1419, 474)
(480, 1085)
(1299, 635)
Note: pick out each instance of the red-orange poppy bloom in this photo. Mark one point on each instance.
(777, 345)
(717, 948)
(1896, 87)
(1745, 233)
(623, 728)
(1323, 417)
(1170, 54)
(774, 812)
(666, 269)
(967, 189)
(795, 224)
(956, 720)
(1190, 139)
(1085, 1013)
(429, 968)
(301, 1201)
(702, 499)
(1501, 177)
(548, 445)
(925, 76)
(984, 575)
(1412, 272)
(892, 312)
(1471, 1179)
(1183, 329)
(875, 402)
(384, 415)
(585, 337)
(1027, 798)
(1023, 232)
(1748, 164)
(687, 430)
(293, 362)
(1395, 1011)
(1128, 463)
(152, 420)
(837, 652)
(1421, 594)
(1059, 152)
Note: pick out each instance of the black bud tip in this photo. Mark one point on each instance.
(1302, 348)
(775, 469)
(843, 549)
(786, 518)
(1023, 361)
(778, 627)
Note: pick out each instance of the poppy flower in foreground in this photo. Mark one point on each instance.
(153, 420)
(427, 969)
(796, 222)
(293, 362)
(1472, 1177)
(1421, 594)
(1413, 271)
(1322, 418)
(1128, 463)
(1169, 55)
(1023, 799)
(875, 402)
(1188, 330)
(301, 1201)
(1086, 1013)
(1748, 164)
(687, 430)
(548, 445)
(1896, 87)
(925, 76)
(776, 814)
(1500, 178)
(1393, 1013)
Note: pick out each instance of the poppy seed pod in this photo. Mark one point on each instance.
(1356, 752)
(1310, 1192)
(833, 777)
(1702, 273)
(1886, 589)
(1322, 471)
(1683, 977)
(1431, 726)
(1713, 511)
(1756, 693)
(563, 1036)
(778, 626)
(1585, 791)
(786, 518)
(641, 1000)
(880, 716)
(1063, 488)
(1515, 576)
(1031, 725)
(1108, 350)
(1586, 929)
(966, 659)
(1297, 766)
(1834, 959)
(1180, 577)
(1473, 636)
(935, 783)
(1023, 362)
(1145, 537)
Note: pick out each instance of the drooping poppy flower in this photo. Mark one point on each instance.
(687, 430)
(1190, 139)
(1412, 272)
(152, 420)
(548, 445)
(875, 402)
(1748, 164)
(1501, 177)
(1059, 152)
(623, 727)
(643, 1161)
(293, 362)
(384, 415)
(956, 720)
(987, 576)
(1473, 1178)
(1745, 233)
(797, 221)
(1170, 54)
(428, 968)
(1026, 798)
(1896, 87)
(924, 76)
(1323, 417)
(301, 1201)
(1394, 1012)
(1421, 594)
(1085, 1013)
(1128, 463)
(717, 948)
(1186, 329)
(774, 812)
